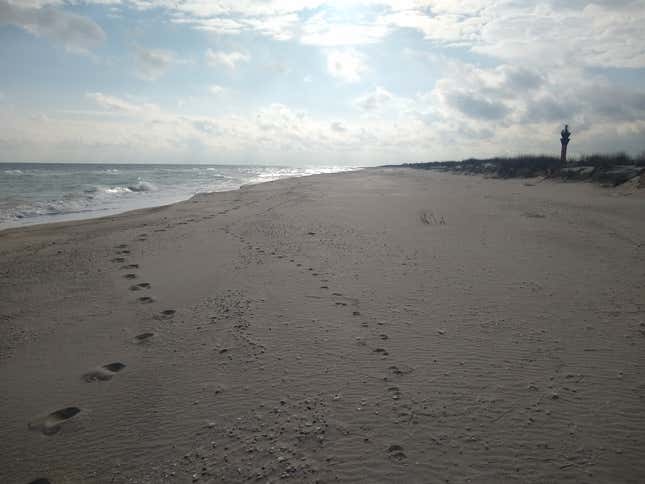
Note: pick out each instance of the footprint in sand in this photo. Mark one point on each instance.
(168, 313)
(131, 266)
(103, 373)
(123, 252)
(394, 392)
(401, 370)
(51, 424)
(130, 276)
(140, 338)
(118, 260)
(40, 480)
(146, 300)
(121, 246)
(395, 452)
(138, 287)
(381, 351)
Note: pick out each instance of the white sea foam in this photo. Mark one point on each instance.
(143, 186)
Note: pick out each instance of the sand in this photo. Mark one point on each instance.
(377, 326)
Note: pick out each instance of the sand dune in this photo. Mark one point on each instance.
(376, 326)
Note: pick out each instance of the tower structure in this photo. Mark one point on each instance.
(564, 139)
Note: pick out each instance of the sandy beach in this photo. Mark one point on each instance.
(385, 325)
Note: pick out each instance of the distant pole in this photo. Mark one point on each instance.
(565, 136)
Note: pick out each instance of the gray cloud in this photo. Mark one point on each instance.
(550, 109)
(613, 103)
(75, 32)
(521, 78)
(477, 107)
(338, 127)
(152, 63)
(374, 100)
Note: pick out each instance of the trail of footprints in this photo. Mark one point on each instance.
(50, 424)
(394, 452)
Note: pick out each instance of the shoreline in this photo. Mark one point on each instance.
(78, 217)
(382, 325)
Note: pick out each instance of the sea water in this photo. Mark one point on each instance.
(33, 193)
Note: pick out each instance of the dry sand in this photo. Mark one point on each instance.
(377, 326)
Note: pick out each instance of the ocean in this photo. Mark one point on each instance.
(34, 193)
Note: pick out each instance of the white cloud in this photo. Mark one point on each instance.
(75, 32)
(226, 59)
(216, 89)
(152, 63)
(554, 32)
(110, 102)
(585, 32)
(324, 31)
(346, 65)
(279, 27)
(591, 35)
(119, 105)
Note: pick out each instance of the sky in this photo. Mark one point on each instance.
(318, 82)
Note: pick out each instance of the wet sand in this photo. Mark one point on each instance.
(377, 326)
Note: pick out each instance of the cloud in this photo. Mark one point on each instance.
(374, 100)
(75, 32)
(476, 106)
(551, 32)
(152, 63)
(119, 105)
(279, 27)
(323, 30)
(216, 89)
(113, 103)
(586, 34)
(229, 60)
(346, 65)
(338, 127)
